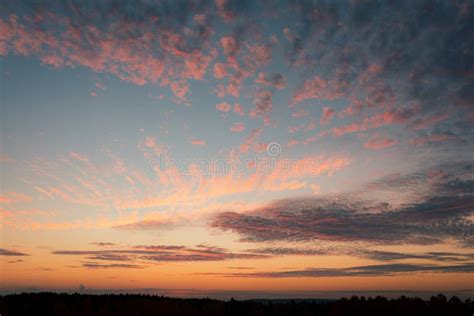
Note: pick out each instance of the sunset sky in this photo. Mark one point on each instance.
(291, 147)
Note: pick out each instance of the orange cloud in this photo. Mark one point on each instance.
(198, 142)
(14, 197)
(237, 128)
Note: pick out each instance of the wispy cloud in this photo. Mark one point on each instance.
(359, 271)
(6, 252)
(153, 254)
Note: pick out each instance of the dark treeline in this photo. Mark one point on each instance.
(82, 304)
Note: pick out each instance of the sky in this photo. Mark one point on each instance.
(291, 148)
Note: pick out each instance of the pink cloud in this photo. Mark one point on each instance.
(150, 142)
(379, 142)
(300, 113)
(179, 89)
(14, 197)
(380, 96)
(328, 113)
(237, 128)
(198, 142)
(100, 85)
(263, 105)
(229, 45)
(354, 109)
(223, 10)
(235, 81)
(223, 107)
(317, 88)
(427, 121)
(78, 156)
(52, 60)
(199, 18)
(257, 56)
(311, 125)
(295, 129)
(288, 34)
(311, 139)
(292, 142)
(275, 80)
(220, 71)
(433, 138)
(130, 58)
(195, 66)
(373, 69)
(233, 89)
(239, 109)
(374, 121)
(220, 90)
(251, 141)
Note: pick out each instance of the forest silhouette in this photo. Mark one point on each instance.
(133, 304)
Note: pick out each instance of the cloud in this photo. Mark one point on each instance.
(257, 55)
(14, 197)
(223, 107)
(317, 88)
(263, 105)
(433, 138)
(5, 158)
(275, 80)
(6, 252)
(441, 214)
(427, 121)
(379, 142)
(283, 251)
(95, 265)
(359, 53)
(319, 33)
(237, 127)
(300, 113)
(158, 45)
(104, 244)
(239, 109)
(376, 255)
(155, 253)
(151, 224)
(198, 142)
(360, 271)
(220, 71)
(230, 46)
(375, 121)
(328, 113)
(434, 256)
